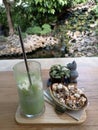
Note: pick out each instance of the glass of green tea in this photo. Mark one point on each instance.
(31, 98)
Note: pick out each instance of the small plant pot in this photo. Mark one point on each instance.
(56, 80)
(59, 80)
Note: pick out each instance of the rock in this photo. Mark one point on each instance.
(76, 34)
(84, 45)
(88, 48)
(73, 41)
(66, 55)
(31, 43)
(89, 54)
(71, 51)
(2, 47)
(93, 25)
(93, 34)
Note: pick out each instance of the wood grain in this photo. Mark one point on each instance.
(49, 117)
(88, 79)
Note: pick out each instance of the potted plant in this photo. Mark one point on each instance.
(59, 74)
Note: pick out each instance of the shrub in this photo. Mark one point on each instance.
(95, 11)
(3, 19)
(75, 2)
(45, 29)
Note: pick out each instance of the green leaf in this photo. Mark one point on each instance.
(46, 29)
(34, 30)
(59, 71)
(46, 26)
(52, 11)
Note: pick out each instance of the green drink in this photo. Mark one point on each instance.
(31, 97)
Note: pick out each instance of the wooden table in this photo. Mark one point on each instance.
(88, 79)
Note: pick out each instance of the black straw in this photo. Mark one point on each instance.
(24, 55)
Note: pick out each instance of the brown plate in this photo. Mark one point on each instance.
(65, 106)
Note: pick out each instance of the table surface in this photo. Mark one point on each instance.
(88, 79)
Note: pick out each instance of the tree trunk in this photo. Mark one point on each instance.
(11, 28)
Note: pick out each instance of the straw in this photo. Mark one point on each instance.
(24, 55)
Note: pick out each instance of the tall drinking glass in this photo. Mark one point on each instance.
(31, 97)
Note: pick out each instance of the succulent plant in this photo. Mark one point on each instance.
(58, 72)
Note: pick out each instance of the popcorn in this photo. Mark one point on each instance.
(62, 100)
(71, 87)
(69, 95)
(77, 95)
(54, 86)
(60, 86)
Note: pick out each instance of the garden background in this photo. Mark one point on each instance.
(56, 28)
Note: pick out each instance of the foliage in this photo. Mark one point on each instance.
(21, 16)
(25, 13)
(33, 30)
(75, 2)
(96, 1)
(58, 71)
(3, 19)
(37, 12)
(46, 6)
(46, 10)
(45, 29)
(94, 11)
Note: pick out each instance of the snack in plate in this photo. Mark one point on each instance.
(69, 96)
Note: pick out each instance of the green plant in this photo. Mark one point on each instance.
(25, 13)
(46, 10)
(96, 1)
(95, 11)
(58, 71)
(47, 6)
(33, 30)
(3, 19)
(75, 2)
(45, 29)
